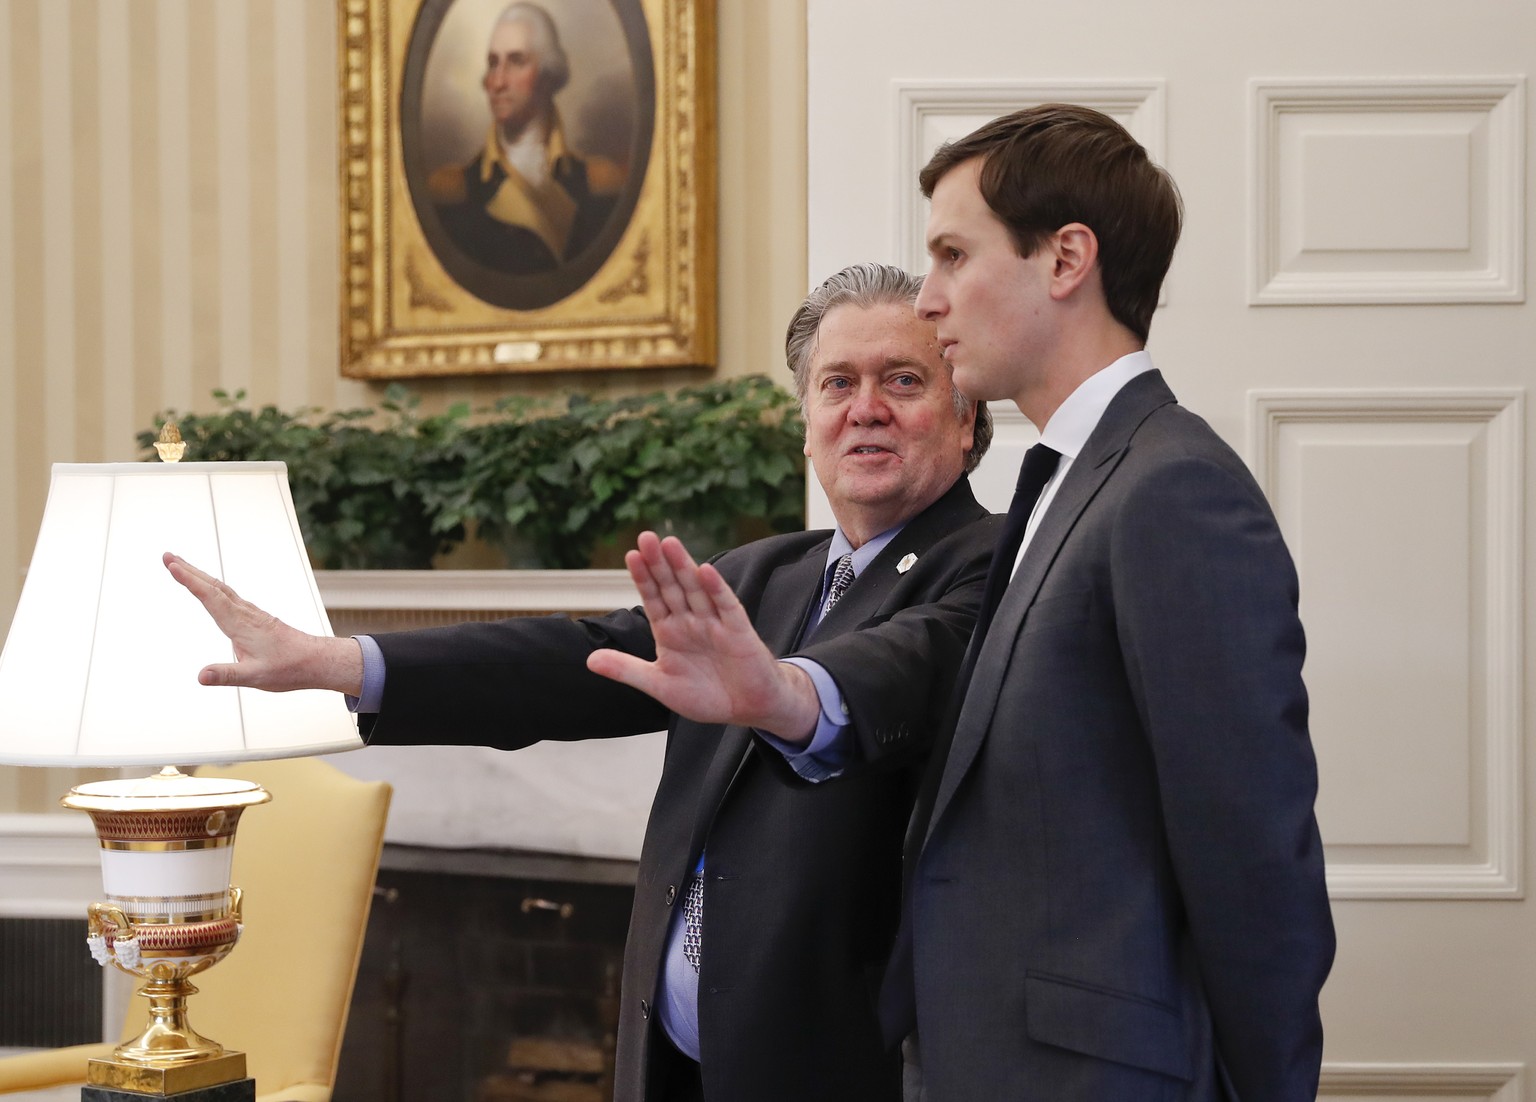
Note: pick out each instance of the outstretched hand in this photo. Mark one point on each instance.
(269, 654)
(711, 665)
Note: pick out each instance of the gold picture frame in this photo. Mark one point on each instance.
(449, 269)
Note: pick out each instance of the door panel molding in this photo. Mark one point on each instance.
(1417, 715)
(929, 112)
(1401, 191)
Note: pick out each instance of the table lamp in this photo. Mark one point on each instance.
(100, 669)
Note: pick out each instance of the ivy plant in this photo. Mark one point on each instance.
(555, 485)
(363, 481)
(552, 484)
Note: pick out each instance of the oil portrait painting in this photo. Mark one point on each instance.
(532, 188)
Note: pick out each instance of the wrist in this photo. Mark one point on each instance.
(337, 664)
(797, 708)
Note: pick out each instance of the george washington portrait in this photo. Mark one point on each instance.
(525, 130)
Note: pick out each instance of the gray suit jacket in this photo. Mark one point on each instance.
(1119, 891)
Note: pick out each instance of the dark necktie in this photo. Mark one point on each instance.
(1039, 464)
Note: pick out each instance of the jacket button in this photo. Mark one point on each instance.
(645, 1010)
(671, 893)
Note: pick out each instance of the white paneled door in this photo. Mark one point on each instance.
(1349, 309)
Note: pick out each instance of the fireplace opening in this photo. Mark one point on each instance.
(52, 988)
(488, 976)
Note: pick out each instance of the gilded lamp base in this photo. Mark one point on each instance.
(163, 1081)
(170, 913)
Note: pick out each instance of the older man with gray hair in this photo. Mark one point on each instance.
(528, 201)
(763, 902)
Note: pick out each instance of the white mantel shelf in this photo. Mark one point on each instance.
(512, 590)
(49, 865)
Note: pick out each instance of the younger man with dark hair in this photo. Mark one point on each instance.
(1114, 881)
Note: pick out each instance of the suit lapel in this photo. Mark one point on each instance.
(786, 603)
(869, 591)
(1102, 453)
(781, 617)
(785, 608)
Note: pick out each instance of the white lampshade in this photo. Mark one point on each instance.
(100, 666)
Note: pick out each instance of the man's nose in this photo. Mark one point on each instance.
(928, 304)
(869, 406)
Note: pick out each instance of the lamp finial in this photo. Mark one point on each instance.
(170, 445)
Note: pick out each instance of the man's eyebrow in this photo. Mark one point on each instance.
(938, 240)
(899, 360)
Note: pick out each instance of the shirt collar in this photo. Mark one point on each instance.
(1076, 418)
(866, 552)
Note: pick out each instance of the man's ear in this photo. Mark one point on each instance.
(1075, 251)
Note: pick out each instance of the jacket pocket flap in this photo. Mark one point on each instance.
(1106, 1024)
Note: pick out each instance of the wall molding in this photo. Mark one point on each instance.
(1493, 268)
(1140, 105)
(1496, 873)
(1491, 1082)
(49, 866)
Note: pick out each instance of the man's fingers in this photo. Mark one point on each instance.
(626, 669)
(648, 573)
(221, 674)
(726, 604)
(640, 574)
(686, 571)
(677, 555)
(670, 596)
(187, 574)
(215, 596)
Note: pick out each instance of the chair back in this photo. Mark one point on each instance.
(306, 863)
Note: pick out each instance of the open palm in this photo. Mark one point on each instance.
(711, 665)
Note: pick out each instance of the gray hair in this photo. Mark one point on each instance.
(867, 286)
(554, 66)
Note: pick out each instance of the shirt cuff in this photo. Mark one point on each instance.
(373, 678)
(825, 756)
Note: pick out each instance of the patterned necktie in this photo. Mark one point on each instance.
(842, 578)
(1039, 464)
(693, 921)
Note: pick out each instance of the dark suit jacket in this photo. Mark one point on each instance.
(803, 880)
(1120, 892)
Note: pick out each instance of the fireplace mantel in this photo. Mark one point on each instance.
(474, 590)
(581, 799)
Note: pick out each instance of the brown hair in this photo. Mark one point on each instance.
(867, 286)
(1046, 166)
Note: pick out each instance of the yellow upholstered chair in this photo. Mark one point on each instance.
(306, 863)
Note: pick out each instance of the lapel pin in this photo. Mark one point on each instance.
(906, 563)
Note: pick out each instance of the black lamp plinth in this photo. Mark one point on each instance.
(241, 1090)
